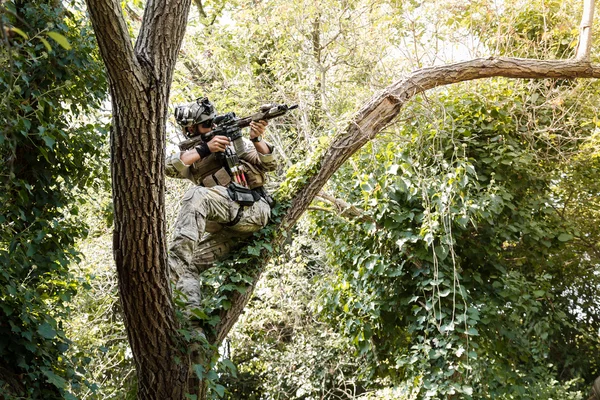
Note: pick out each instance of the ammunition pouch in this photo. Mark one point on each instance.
(219, 177)
(254, 177)
(242, 195)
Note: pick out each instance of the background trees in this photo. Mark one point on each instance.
(49, 78)
(468, 260)
(510, 141)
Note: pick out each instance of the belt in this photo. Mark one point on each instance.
(259, 191)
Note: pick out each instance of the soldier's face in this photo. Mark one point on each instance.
(198, 130)
(202, 130)
(205, 126)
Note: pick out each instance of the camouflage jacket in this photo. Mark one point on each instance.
(210, 172)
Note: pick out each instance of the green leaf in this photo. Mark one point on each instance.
(60, 39)
(468, 390)
(472, 332)
(220, 389)
(27, 335)
(212, 375)
(230, 367)
(253, 250)
(55, 379)
(7, 310)
(393, 169)
(47, 331)
(199, 370)
(46, 44)
(441, 252)
(564, 237)
(241, 289)
(20, 32)
(199, 313)
(49, 141)
(268, 247)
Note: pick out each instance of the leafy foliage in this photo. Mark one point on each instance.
(535, 29)
(50, 155)
(463, 270)
(281, 349)
(96, 324)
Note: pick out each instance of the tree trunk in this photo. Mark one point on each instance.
(140, 80)
(139, 245)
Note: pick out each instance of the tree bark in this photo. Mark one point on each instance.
(139, 247)
(140, 80)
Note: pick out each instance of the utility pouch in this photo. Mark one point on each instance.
(242, 195)
(220, 177)
(253, 175)
(265, 195)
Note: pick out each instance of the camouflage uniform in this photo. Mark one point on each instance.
(207, 207)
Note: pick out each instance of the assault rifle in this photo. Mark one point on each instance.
(229, 125)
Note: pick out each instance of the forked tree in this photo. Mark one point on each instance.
(140, 79)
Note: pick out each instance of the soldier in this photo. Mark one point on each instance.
(208, 206)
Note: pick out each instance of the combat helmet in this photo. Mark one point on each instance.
(195, 113)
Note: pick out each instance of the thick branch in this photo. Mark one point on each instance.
(384, 107)
(238, 304)
(161, 34)
(114, 43)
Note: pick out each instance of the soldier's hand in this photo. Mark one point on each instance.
(218, 144)
(257, 128)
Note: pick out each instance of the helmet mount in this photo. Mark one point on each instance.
(201, 111)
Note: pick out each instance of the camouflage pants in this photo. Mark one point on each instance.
(191, 252)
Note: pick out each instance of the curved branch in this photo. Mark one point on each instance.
(344, 209)
(384, 107)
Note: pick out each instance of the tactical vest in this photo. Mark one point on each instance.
(210, 172)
